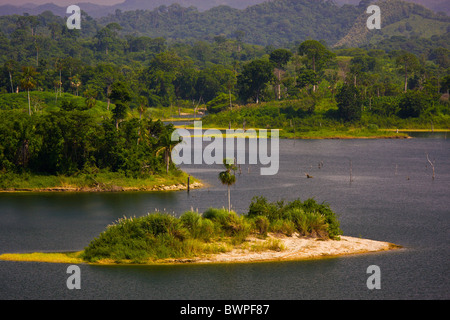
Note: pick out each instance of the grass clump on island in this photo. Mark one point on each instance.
(161, 236)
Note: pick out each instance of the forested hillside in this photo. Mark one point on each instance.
(398, 18)
(97, 11)
(276, 23)
(114, 83)
(282, 22)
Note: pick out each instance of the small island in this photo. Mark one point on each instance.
(267, 232)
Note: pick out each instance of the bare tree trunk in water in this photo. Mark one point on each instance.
(431, 164)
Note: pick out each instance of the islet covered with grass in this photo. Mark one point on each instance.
(161, 236)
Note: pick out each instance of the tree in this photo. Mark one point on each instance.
(306, 77)
(120, 96)
(59, 65)
(349, 102)
(159, 78)
(75, 82)
(28, 82)
(228, 178)
(213, 81)
(105, 74)
(167, 144)
(412, 104)
(316, 54)
(90, 95)
(445, 84)
(10, 66)
(280, 57)
(107, 37)
(254, 78)
(408, 63)
(239, 35)
(361, 64)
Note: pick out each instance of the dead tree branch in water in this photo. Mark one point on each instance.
(431, 164)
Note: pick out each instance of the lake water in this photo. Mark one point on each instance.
(392, 198)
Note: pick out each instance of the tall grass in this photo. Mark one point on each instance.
(308, 218)
(159, 235)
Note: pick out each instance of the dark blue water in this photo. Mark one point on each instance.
(392, 198)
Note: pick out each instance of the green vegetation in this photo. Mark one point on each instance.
(71, 146)
(293, 117)
(82, 104)
(160, 236)
(281, 22)
(92, 181)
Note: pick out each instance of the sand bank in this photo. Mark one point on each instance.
(287, 249)
(299, 248)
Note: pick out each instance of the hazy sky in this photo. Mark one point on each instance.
(59, 2)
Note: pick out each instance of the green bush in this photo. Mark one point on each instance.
(228, 223)
(261, 224)
(308, 217)
(283, 226)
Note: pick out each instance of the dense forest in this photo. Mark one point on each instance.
(90, 100)
(277, 23)
(282, 22)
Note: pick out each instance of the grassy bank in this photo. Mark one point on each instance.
(347, 133)
(103, 181)
(319, 118)
(317, 133)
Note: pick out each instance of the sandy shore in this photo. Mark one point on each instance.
(294, 248)
(288, 249)
(300, 248)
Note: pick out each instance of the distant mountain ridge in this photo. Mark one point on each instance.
(97, 11)
(276, 23)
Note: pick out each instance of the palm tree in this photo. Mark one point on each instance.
(75, 83)
(28, 82)
(167, 145)
(228, 178)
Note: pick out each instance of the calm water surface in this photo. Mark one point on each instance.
(392, 198)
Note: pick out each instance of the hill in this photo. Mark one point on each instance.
(283, 22)
(279, 23)
(398, 18)
(434, 5)
(276, 22)
(98, 11)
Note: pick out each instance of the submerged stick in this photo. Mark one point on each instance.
(431, 164)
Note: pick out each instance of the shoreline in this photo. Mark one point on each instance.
(312, 135)
(297, 249)
(294, 248)
(162, 187)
